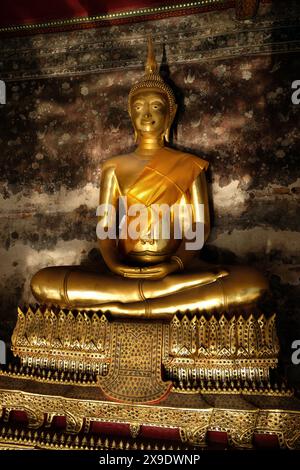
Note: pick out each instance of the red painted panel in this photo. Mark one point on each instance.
(157, 433)
(34, 11)
(266, 441)
(217, 439)
(59, 423)
(18, 417)
(110, 429)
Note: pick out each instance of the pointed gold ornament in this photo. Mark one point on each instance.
(151, 64)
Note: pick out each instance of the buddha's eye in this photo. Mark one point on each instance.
(137, 106)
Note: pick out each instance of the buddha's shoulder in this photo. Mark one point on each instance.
(192, 156)
(116, 161)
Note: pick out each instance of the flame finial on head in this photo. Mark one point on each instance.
(153, 80)
(151, 64)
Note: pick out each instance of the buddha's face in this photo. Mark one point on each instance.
(149, 112)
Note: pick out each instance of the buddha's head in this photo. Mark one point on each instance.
(151, 105)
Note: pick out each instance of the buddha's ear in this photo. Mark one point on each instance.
(168, 129)
(167, 134)
(135, 131)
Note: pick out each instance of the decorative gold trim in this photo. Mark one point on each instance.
(49, 378)
(280, 390)
(134, 430)
(25, 439)
(136, 355)
(204, 353)
(112, 16)
(220, 352)
(193, 423)
(239, 426)
(286, 426)
(62, 340)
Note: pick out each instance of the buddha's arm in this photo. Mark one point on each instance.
(108, 197)
(199, 197)
(183, 255)
(109, 194)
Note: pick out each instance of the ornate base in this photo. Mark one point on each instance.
(135, 369)
(138, 361)
(202, 374)
(43, 415)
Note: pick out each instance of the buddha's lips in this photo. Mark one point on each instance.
(148, 122)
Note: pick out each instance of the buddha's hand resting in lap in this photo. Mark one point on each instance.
(162, 270)
(154, 272)
(157, 271)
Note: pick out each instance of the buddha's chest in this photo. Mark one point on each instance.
(128, 171)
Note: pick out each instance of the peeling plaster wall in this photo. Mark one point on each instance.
(66, 112)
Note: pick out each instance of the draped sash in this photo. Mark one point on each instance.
(164, 180)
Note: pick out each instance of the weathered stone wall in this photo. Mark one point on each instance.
(66, 112)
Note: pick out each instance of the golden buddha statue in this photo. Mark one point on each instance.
(151, 277)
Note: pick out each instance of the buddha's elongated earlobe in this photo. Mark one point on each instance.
(167, 134)
(168, 129)
(135, 131)
(136, 135)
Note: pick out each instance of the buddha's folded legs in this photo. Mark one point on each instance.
(242, 287)
(70, 286)
(193, 291)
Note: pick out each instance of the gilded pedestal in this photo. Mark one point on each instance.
(138, 361)
(144, 385)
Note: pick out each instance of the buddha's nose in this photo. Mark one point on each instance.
(147, 115)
